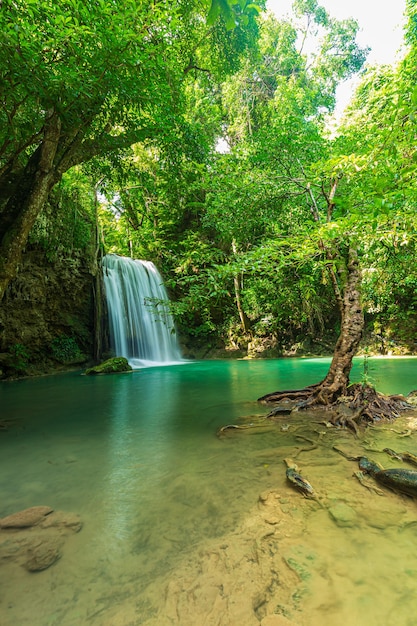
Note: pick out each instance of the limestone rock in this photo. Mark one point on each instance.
(43, 553)
(269, 507)
(63, 521)
(26, 518)
(49, 304)
(277, 620)
(10, 548)
(33, 538)
(343, 514)
(111, 366)
(269, 498)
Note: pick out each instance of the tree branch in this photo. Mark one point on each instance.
(104, 144)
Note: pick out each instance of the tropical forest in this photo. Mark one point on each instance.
(208, 317)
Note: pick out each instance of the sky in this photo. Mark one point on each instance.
(380, 24)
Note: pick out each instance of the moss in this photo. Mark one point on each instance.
(111, 366)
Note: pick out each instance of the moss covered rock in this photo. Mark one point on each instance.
(111, 366)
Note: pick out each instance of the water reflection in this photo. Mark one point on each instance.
(137, 457)
(138, 446)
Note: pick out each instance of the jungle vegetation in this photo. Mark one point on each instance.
(198, 135)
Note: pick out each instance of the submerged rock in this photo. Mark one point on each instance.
(62, 521)
(111, 366)
(277, 620)
(33, 538)
(42, 553)
(26, 518)
(343, 514)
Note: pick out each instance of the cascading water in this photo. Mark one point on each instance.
(141, 325)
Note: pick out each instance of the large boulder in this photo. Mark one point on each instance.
(46, 314)
(42, 553)
(26, 518)
(34, 537)
(111, 366)
(62, 521)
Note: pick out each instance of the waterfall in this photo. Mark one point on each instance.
(141, 325)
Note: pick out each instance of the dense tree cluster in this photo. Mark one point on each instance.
(200, 134)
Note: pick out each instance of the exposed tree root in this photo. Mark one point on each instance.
(407, 457)
(356, 405)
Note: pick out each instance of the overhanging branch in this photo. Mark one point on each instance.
(105, 144)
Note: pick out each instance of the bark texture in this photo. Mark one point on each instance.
(350, 404)
(25, 185)
(352, 325)
(30, 193)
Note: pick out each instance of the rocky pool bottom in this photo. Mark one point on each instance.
(180, 527)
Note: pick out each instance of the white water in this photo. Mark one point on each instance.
(141, 325)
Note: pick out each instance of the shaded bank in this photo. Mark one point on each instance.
(47, 316)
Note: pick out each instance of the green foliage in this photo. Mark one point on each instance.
(85, 79)
(234, 13)
(66, 223)
(214, 222)
(65, 349)
(111, 366)
(20, 356)
(104, 66)
(143, 95)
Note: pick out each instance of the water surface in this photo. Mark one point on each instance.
(137, 456)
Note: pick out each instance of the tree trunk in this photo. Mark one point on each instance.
(15, 238)
(336, 382)
(244, 320)
(24, 191)
(350, 404)
(30, 195)
(352, 324)
(101, 340)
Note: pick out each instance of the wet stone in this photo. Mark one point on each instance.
(26, 518)
(111, 366)
(276, 620)
(8, 549)
(43, 554)
(33, 538)
(343, 515)
(63, 521)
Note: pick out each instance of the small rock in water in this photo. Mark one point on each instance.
(63, 521)
(111, 366)
(43, 554)
(26, 518)
(33, 538)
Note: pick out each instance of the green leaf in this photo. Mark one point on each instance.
(223, 8)
(213, 13)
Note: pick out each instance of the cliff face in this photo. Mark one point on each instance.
(47, 315)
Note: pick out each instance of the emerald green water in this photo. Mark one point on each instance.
(136, 455)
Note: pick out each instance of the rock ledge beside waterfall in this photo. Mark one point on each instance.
(111, 366)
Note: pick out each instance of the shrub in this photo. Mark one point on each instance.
(65, 349)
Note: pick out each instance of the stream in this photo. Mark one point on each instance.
(183, 527)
